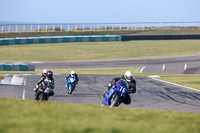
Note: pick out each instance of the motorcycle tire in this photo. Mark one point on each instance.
(70, 89)
(115, 101)
(44, 97)
(38, 96)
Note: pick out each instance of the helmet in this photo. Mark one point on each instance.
(128, 76)
(44, 72)
(50, 74)
(72, 73)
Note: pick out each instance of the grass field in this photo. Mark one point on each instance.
(52, 117)
(83, 51)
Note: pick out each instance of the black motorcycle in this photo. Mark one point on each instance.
(43, 91)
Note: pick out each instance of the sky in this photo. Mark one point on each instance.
(99, 11)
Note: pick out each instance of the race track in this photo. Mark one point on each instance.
(152, 65)
(151, 94)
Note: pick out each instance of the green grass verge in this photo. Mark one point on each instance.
(85, 51)
(22, 116)
(182, 79)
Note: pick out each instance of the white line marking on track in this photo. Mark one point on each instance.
(176, 84)
(142, 69)
(24, 89)
(36, 62)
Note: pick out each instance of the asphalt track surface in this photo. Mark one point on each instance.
(151, 94)
(152, 65)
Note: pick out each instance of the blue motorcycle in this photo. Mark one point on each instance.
(71, 83)
(116, 95)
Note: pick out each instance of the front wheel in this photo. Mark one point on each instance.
(70, 89)
(38, 96)
(115, 101)
(45, 97)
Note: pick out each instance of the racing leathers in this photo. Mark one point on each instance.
(49, 81)
(66, 79)
(131, 84)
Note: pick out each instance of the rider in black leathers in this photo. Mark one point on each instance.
(47, 76)
(128, 76)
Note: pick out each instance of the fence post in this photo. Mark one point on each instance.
(105, 26)
(24, 28)
(185, 25)
(120, 26)
(135, 26)
(112, 26)
(68, 27)
(160, 25)
(90, 27)
(61, 27)
(53, 27)
(76, 27)
(31, 27)
(143, 25)
(168, 25)
(38, 27)
(17, 28)
(83, 27)
(128, 26)
(176, 25)
(152, 25)
(98, 27)
(9, 28)
(46, 27)
(2, 28)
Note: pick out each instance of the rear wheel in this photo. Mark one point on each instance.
(115, 101)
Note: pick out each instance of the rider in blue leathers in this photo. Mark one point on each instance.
(72, 73)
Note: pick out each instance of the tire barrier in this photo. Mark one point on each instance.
(59, 39)
(17, 67)
(160, 37)
(95, 38)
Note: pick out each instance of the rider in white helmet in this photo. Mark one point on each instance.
(128, 76)
(72, 73)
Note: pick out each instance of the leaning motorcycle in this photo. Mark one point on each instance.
(43, 91)
(117, 94)
(71, 83)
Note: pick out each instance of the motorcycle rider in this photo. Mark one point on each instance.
(72, 74)
(128, 76)
(43, 77)
(47, 76)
